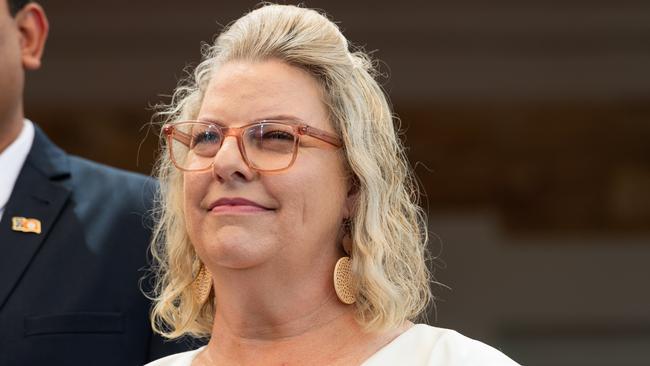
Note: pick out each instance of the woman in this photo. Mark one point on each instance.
(289, 232)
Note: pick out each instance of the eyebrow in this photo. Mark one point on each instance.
(278, 117)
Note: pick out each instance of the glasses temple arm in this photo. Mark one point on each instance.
(321, 135)
(179, 136)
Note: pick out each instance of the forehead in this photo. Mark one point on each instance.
(243, 91)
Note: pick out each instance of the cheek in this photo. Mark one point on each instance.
(189, 190)
(194, 186)
(330, 197)
(314, 197)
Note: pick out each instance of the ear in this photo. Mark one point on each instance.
(33, 26)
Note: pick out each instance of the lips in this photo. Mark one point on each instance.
(236, 205)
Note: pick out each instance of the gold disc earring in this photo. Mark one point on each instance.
(343, 275)
(343, 280)
(202, 285)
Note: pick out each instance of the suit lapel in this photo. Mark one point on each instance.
(39, 193)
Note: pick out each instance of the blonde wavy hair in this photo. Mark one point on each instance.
(388, 227)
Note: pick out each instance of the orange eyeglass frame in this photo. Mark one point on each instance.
(326, 139)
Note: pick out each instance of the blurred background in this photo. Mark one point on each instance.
(527, 123)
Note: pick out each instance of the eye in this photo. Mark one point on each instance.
(206, 138)
(270, 138)
(279, 135)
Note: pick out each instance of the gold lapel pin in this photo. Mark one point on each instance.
(26, 225)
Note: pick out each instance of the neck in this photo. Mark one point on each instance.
(10, 128)
(274, 304)
(277, 317)
(316, 339)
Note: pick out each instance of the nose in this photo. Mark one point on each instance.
(229, 163)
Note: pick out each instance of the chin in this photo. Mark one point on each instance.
(236, 249)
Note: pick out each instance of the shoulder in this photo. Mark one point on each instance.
(84, 176)
(89, 178)
(84, 169)
(177, 359)
(426, 345)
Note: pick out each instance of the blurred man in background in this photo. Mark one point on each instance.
(73, 239)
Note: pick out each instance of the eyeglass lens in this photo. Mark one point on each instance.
(267, 145)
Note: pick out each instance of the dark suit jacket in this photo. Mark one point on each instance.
(71, 295)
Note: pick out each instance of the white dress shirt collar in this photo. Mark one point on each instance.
(12, 160)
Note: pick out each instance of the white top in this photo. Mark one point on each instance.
(421, 345)
(12, 160)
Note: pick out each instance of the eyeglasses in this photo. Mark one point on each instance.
(266, 146)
